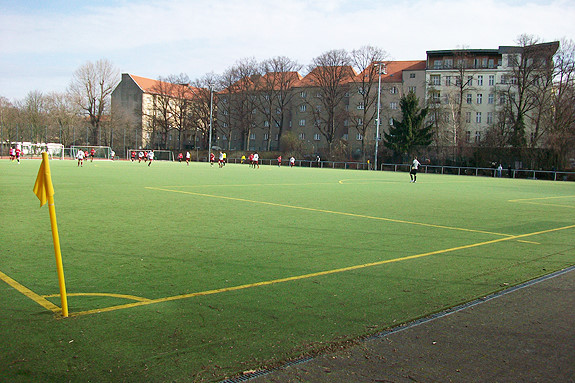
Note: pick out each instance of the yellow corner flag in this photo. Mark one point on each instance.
(45, 192)
(43, 186)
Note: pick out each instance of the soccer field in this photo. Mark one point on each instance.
(195, 273)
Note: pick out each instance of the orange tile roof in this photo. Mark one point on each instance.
(151, 86)
(394, 69)
(308, 81)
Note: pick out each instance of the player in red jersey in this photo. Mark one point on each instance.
(92, 152)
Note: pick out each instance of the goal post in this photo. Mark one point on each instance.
(102, 152)
(159, 155)
(34, 150)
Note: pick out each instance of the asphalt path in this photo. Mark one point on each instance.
(523, 334)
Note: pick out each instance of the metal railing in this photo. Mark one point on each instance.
(551, 175)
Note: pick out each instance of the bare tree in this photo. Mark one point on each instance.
(225, 118)
(91, 87)
(244, 100)
(561, 133)
(62, 117)
(33, 117)
(203, 110)
(181, 104)
(531, 68)
(331, 75)
(275, 93)
(161, 121)
(368, 61)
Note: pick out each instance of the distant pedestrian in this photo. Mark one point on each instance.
(413, 171)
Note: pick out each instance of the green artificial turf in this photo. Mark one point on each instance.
(238, 268)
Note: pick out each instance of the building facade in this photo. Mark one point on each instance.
(479, 94)
(156, 114)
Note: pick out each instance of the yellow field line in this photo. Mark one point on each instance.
(330, 211)
(123, 296)
(30, 294)
(540, 198)
(545, 204)
(312, 275)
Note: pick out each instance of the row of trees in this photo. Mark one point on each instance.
(81, 115)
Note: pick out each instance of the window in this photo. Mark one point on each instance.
(412, 89)
(491, 80)
(359, 137)
(359, 121)
(478, 136)
(479, 98)
(484, 62)
(252, 136)
(503, 79)
(448, 63)
(435, 79)
(302, 136)
(393, 90)
(360, 90)
(361, 106)
(469, 98)
(467, 116)
(480, 80)
(302, 107)
(491, 64)
(303, 94)
(316, 137)
(490, 98)
(436, 97)
(302, 122)
(437, 64)
(412, 75)
(470, 80)
(448, 80)
(391, 121)
(266, 136)
(393, 105)
(345, 136)
(478, 117)
(346, 122)
(468, 136)
(266, 124)
(490, 117)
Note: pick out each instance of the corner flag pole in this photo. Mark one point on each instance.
(45, 192)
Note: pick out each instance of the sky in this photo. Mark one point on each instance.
(43, 42)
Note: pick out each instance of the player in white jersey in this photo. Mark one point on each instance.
(413, 171)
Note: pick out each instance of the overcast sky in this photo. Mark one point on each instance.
(42, 42)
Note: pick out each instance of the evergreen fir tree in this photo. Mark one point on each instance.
(411, 131)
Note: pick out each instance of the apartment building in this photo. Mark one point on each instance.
(471, 90)
(353, 115)
(154, 112)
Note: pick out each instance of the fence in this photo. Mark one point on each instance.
(551, 175)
